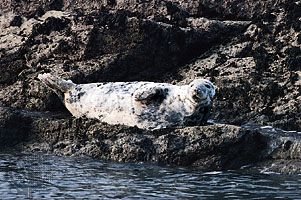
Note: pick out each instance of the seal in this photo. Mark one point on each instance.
(147, 105)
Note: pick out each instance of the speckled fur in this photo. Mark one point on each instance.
(147, 105)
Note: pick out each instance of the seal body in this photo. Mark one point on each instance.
(147, 105)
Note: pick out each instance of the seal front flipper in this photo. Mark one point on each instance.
(56, 84)
(150, 94)
(199, 118)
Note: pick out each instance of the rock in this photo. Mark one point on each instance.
(17, 21)
(249, 49)
(214, 147)
(207, 147)
(98, 52)
(281, 166)
(10, 133)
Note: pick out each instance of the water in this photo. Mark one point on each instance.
(46, 176)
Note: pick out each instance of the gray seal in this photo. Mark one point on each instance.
(147, 105)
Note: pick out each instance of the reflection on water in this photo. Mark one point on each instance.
(45, 176)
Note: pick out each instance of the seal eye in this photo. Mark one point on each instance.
(207, 86)
(195, 97)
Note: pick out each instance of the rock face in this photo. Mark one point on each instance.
(249, 49)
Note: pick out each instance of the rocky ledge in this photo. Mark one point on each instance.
(212, 147)
(249, 49)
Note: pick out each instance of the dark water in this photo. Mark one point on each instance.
(52, 177)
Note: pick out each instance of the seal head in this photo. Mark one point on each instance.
(202, 91)
(199, 96)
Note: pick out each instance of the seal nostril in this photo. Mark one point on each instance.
(195, 97)
(207, 86)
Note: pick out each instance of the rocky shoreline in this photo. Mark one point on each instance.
(249, 49)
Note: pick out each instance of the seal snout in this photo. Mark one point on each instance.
(201, 93)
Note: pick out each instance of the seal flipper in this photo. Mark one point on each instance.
(56, 84)
(148, 95)
(199, 118)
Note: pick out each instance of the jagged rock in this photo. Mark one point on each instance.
(249, 49)
(111, 47)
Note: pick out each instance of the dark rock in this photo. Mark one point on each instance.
(17, 21)
(249, 49)
(281, 166)
(299, 38)
(55, 5)
(10, 133)
(214, 147)
(111, 47)
(50, 24)
(112, 2)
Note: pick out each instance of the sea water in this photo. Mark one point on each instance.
(37, 176)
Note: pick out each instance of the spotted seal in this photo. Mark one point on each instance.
(147, 105)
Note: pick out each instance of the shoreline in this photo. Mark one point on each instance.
(250, 50)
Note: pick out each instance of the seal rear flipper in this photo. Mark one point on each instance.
(147, 95)
(58, 85)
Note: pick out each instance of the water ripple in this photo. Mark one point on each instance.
(52, 177)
